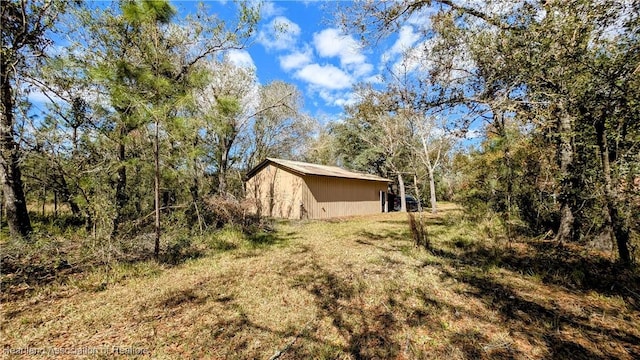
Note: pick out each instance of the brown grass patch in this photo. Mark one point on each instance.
(357, 289)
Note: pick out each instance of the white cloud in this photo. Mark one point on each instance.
(330, 83)
(339, 98)
(328, 96)
(498, 8)
(421, 19)
(241, 58)
(406, 38)
(473, 134)
(374, 79)
(331, 43)
(347, 99)
(38, 96)
(296, 59)
(455, 69)
(417, 58)
(269, 9)
(359, 70)
(279, 34)
(325, 76)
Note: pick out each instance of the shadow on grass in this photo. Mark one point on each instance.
(231, 332)
(377, 239)
(368, 329)
(571, 269)
(563, 333)
(568, 269)
(379, 329)
(380, 240)
(384, 235)
(565, 265)
(177, 252)
(182, 297)
(266, 239)
(25, 270)
(428, 220)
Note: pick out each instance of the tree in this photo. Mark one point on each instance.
(573, 53)
(534, 63)
(279, 127)
(428, 140)
(321, 149)
(24, 39)
(244, 122)
(608, 105)
(434, 144)
(146, 66)
(225, 105)
(161, 81)
(382, 135)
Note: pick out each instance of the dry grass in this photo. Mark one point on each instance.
(351, 288)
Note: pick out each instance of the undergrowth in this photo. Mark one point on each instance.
(67, 257)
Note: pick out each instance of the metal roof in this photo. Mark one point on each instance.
(304, 168)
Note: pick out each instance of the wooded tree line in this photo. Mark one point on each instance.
(146, 114)
(555, 85)
(148, 117)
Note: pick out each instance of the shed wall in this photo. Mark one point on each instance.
(276, 192)
(326, 197)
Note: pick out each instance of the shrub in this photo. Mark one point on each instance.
(419, 232)
(219, 211)
(180, 249)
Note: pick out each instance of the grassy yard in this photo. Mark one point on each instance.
(351, 288)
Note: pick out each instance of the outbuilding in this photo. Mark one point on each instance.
(298, 190)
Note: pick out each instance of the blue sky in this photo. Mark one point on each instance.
(311, 52)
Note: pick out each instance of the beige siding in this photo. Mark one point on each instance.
(327, 197)
(276, 192)
(280, 193)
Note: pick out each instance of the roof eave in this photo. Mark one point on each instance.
(352, 178)
(266, 161)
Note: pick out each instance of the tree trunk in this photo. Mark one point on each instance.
(618, 233)
(501, 128)
(194, 189)
(10, 175)
(403, 199)
(417, 190)
(222, 181)
(507, 161)
(223, 163)
(156, 155)
(63, 188)
(75, 140)
(432, 190)
(566, 230)
(44, 199)
(121, 183)
(1, 208)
